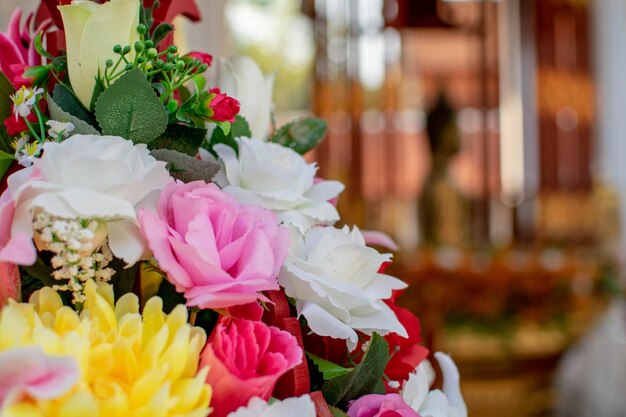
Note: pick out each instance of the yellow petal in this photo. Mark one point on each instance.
(80, 404)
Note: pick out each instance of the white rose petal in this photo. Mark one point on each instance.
(97, 177)
(301, 406)
(435, 403)
(279, 179)
(242, 78)
(334, 278)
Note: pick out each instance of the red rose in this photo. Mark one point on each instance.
(203, 57)
(224, 107)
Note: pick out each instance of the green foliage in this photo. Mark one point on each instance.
(80, 126)
(363, 379)
(67, 101)
(328, 369)
(301, 135)
(6, 90)
(161, 32)
(124, 278)
(239, 128)
(171, 298)
(180, 138)
(131, 109)
(186, 168)
(6, 160)
(337, 412)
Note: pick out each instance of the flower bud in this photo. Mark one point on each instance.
(117, 49)
(152, 53)
(139, 46)
(126, 50)
(142, 29)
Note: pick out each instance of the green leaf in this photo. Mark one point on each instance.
(161, 32)
(39, 47)
(337, 412)
(131, 109)
(199, 81)
(98, 89)
(301, 135)
(67, 101)
(80, 127)
(363, 379)
(6, 160)
(42, 272)
(240, 127)
(328, 369)
(6, 90)
(186, 168)
(225, 126)
(180, 138)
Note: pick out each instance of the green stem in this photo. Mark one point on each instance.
(32, 130)
(41, 126)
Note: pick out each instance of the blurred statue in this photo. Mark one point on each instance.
(443, 215)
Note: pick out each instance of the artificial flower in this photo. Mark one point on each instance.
(296, 406)
(101, 178)
(246, 359)
(334, 279)
(405, 353)
(217, 252)
(91, 32)
(277, 178)
(10, 282)
(29, 152)
(17, 49)
(435, 403)
(26, 371)
(222, 107)
(131, 364)
(24, 100)
(59, 130)
(241, 77)
(376, 405)
(17, 246)
(206, 59)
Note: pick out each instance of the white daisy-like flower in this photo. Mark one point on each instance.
(59, 130)
(24, 100)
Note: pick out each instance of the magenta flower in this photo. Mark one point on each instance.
(376, 405)
(29, 371)
(246, 358)
(17, 49)
(218, 253)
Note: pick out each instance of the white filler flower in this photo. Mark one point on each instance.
(300, 406)
(103, 178)
(277, 178)
(334, 278)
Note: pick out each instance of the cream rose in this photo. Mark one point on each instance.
(91, 32)
(104, 178)
(334, 279)
(279, 179)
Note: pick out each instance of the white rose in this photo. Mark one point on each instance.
(93, 177)
(300, 406)
(435, 403)
(277, 178)
(334, 278)
(242, 78)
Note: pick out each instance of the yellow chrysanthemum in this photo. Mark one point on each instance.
(130, 365)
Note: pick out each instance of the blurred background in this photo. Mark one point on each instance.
(488, 139)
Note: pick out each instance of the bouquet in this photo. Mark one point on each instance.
(165, 250)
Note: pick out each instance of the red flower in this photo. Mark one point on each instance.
(224, 108)
(16, 126)
(406, 353)
(205, 58)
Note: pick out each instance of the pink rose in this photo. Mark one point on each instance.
(218, 253)
(203, 57)
(15, 248)
(246, 358)
(29, 371)
(376, 405)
